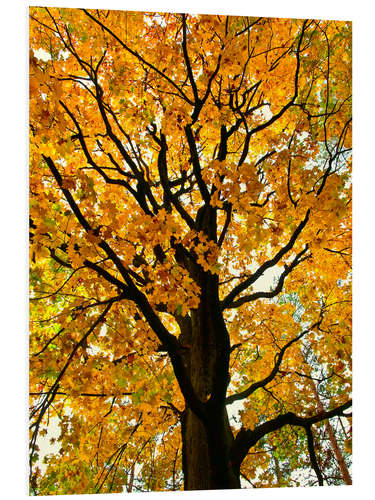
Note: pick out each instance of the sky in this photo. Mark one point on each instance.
(14, 230)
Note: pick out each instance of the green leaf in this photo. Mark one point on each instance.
(137, 396)
(56, 207)
(122, 382)
(50, 223)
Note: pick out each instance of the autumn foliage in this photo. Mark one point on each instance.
(190, 251)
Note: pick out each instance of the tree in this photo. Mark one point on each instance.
(175, 161)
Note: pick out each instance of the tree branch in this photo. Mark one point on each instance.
(188, 63)
(140, 58)
(133, 293)
(227, 301)
(169, 197)
(314, 462)
(228, 210)
(272, 293)
(196, 165)
(84, 394)
(247, 438)
(290, 103)
(279, 357)
(50, 396)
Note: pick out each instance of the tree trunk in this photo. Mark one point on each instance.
(206, 445)
(195, 455)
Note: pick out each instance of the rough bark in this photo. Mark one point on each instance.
(206, 442)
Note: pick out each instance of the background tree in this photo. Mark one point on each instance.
(174, 161)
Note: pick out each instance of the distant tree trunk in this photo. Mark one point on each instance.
(332, 438)
(279, 476)
(131, 480)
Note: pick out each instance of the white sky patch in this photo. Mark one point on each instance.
(262, 284)
(264, 112)
(42, 54)
(64, 54)
(45, 56)
(45, 445)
